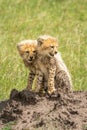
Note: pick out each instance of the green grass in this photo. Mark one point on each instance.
(64, 19)
(8, 126)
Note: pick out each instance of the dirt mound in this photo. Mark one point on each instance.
(28, 111)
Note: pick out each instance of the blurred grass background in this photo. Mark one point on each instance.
(64, 19)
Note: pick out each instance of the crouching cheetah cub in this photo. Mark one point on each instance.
(27, 50)
(51, 69)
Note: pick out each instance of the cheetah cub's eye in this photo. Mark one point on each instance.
(52, 46)
(34, 51)
(27, 52)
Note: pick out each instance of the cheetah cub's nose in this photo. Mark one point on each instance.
(30, 59)
(55, 52)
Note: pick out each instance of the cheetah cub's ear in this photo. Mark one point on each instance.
(40, 41)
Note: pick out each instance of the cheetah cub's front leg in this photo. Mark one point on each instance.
(51, 85)
(30, 80)
(39, 84)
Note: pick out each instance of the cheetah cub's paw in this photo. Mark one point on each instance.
(51, 91)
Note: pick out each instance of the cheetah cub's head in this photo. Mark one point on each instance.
(47, 45)
(27, 50)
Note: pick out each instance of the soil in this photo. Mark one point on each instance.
(26, 110)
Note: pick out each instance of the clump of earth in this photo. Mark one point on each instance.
(27, 110)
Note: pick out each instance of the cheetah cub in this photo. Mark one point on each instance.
(52, 71)
(27, 50)
(47, 47)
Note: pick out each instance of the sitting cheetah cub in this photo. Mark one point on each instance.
(47, 47)
(51, 68)
(27, 50)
